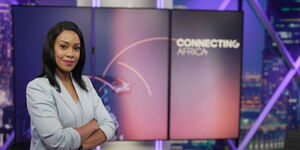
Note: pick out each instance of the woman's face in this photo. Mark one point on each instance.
(67, 50)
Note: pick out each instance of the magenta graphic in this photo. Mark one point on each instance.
(132, 70)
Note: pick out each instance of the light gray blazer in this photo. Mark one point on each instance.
(53, 114)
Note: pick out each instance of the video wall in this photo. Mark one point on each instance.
(162, 74)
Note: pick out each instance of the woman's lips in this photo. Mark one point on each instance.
(69, 62)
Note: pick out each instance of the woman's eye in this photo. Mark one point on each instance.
(77, 48)
(63, 46)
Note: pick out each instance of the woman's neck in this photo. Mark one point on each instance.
(63, 76)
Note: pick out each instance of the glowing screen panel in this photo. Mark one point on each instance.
(131, 70)
(205, 74)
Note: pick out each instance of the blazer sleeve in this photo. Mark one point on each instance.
(44, 117)
(106, 124)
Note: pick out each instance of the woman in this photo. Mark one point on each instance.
(65, 110)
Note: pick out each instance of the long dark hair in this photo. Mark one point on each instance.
(48, 56)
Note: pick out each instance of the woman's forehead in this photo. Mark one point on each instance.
(68, 36)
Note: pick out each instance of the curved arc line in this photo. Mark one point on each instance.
(130, 46)
(103, 81)
(138, 74)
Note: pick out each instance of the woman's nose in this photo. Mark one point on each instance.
(70, 52)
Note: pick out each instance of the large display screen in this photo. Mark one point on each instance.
(205, 74)
(131, 70)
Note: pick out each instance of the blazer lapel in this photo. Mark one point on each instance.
(78, 89)
(84, 101)
(66, 97)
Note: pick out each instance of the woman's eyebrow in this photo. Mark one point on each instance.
(63, 41)
(68, 42)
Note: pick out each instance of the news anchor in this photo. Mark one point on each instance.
(66, 112)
